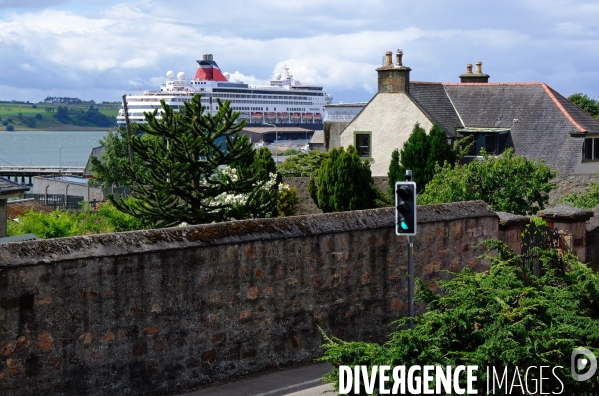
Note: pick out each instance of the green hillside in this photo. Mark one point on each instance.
(43, 116)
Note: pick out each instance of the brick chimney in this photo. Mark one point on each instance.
(477, 77)
(394, 77)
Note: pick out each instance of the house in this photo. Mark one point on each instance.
(337, 118)
(534, 119)
(8, 190)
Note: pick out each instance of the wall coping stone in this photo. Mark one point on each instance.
(133, 242)
(567, 213)
(511, 220)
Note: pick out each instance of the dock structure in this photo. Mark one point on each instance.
(15, 172)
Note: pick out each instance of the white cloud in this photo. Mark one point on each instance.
(27, 67)
(335, 43)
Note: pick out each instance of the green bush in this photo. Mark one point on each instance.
(65, 224)
(302, 164)
(508, 183)
(344, 182)
(503, 317)
(10, 128)
(291, 151)
(287, 200)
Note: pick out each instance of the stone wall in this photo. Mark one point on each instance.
(566, 184)
(153, 312)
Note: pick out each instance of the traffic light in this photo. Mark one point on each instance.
(405, 208)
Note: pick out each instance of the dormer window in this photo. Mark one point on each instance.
(488, 138)
(590, 149)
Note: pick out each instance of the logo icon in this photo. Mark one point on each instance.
(580, 359)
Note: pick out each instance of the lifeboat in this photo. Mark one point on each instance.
(318, 117)
(270, 115)
(257, 116)
(308, 116)
(283, 116)
(295, 116)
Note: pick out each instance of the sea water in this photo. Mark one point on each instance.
(71, 148)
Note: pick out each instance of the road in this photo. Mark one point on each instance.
(298, 381)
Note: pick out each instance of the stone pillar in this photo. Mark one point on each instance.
(3, 218)
(511, 227)
(571, 225)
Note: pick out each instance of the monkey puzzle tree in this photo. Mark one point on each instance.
(186, 173)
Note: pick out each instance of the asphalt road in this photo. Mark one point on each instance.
(298, 381)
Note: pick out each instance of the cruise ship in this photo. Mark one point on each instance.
(284, 102)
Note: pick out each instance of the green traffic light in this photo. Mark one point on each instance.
(403, 225)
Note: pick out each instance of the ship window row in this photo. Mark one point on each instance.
(266, 93)
(262, 96)
(281, 102)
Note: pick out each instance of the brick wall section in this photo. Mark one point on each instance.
(153, 312)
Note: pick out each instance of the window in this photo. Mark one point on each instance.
(363, 144)
(590, 149)
(491, 144)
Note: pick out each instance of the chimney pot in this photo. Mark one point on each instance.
(393, 78)
(388, 56)
(479, 68)
(474, 78)
(398, 56)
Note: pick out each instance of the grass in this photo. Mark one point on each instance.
(47, 122)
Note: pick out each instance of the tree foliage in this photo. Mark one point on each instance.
(414, 156)
(302, 164)
(439, 150)
(109, 168)
(287, 201)
(90, 117)
(65, 224)
(343, 182)
(503, 317)
(394, 174)
(421, 153)
(589, 105)
(507, 183)
(187, 174)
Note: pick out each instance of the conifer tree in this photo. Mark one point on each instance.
(394, 173)
(439, 150)
(179, 179)
(344, 182)
(414, 155)
(264, 164)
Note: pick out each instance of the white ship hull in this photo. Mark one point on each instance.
(283, 102)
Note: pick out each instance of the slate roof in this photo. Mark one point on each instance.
(542, 122)
(96, 152)
(540, 119)
(8, 187)
(433, 100)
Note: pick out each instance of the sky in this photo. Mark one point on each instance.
(101, 49)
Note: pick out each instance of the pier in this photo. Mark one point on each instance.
(15, 173)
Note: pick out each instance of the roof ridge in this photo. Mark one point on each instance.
(454, 107)
(495, 83)
(550, 91)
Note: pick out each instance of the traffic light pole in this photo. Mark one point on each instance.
(411, 278)
(410, 266)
